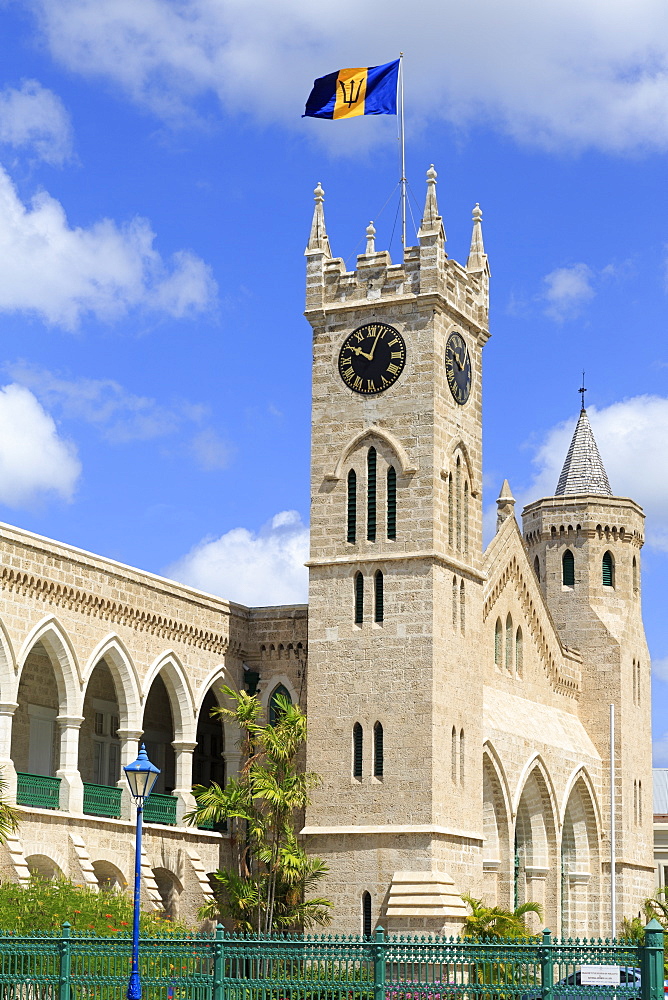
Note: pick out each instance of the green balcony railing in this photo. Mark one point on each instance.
(160, 809)
(38, 790)
(102, 800)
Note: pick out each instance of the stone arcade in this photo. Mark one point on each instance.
(457, 696)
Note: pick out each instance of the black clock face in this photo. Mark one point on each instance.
(372, 358)
(458, 367)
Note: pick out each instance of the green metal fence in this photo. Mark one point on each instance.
(237, 967)
(160, 809)
(101, 800)
(38, 790)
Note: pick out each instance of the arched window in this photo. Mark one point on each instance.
(391, 502)
(466, 517)
(378, 750)
(638, 682)
(451, 538)
(359, 598)
(635, 802)
(458, 498)
(454, 756)
(498, 629)
(461, 756)
(462, 607)
(352, 506)
(519, 653)
(454, 602)
(378, 596)
(636, 582)
(274, 706)
(371, 495)
(640, 803)
(536, 568)
(635, 684)
(608, 570)
(568, 569)
(509, 644)
(358, 744)
(366, 914)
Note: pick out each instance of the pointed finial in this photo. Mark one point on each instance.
(582, 391)
(371, 238)
(432, 223)
(505, 504)
(318, 237)
(477, 260)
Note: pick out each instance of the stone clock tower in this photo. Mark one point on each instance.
(395, 601)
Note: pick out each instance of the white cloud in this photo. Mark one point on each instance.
(579, 73)
(632, 438)
(64, 274)
(260, 569)
(660, 668)
(34, 459)
(210, 451)
(35, 117)
(567, 289)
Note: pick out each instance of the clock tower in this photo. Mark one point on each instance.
(395, 594)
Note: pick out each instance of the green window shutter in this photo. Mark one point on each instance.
(352, 505)
(391, 502)
(366, 914)
(359, 598)
(378, 588)
(371, 495)
(357, 750)
(568, 569)
(608, 570)
(378, 750)
(274, 707)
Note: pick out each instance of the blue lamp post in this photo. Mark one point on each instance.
(142, 776)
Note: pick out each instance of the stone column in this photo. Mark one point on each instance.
(129, 749)
(536, 878)
(184, 779)
(71, 785)
(7, 710)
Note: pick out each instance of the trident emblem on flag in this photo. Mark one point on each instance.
(352, 95)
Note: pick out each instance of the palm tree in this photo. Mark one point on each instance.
(9, 815)
(495, 922)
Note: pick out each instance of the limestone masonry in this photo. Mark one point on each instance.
(458, 697)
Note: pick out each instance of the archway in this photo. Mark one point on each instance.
(535, 877)
(35, 737)
(209, 757)
(109, 876)
(158, 729)
(99, 743)
(43, 866)
(580, 864)
(496, 849)
(170, 890)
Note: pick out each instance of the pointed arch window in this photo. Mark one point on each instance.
(568, 569)
(378, 597)
(498, 630)
(509, 644)
(466, 517)
(455, 593)
(458, 491)
(366, 914)
(536, 568)
(461, 756)
(636, 583)
(359, 598)
(275, 709)
(371, 495)
(391, 502)
(378, 750)
(454, 755)
(608, 570)
(358, 746)
(451, 537)
(519, 652)
(352, 506)
(462, 607)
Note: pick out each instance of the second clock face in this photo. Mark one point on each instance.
(458, 367)
(372, 358)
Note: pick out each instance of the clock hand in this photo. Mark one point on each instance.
(373, 348)
(358, 351)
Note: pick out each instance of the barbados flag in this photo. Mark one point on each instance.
(351, 92)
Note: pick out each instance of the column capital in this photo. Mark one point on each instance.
(130, 734)
(70, 721)
(8, 707)
(183, 746)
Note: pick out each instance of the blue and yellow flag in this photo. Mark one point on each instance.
(350, 92)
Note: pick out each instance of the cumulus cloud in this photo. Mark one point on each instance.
(34, 460)
(631, 437)
(34, 117)
(566, 290)
(578, 73)
(64, 274)
(256, 569)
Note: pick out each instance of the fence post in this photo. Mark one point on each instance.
(379, 964)
(652, 962)
(219, 964)
(65, 964)
(546, 966)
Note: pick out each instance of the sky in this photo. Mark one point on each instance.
(156, 191)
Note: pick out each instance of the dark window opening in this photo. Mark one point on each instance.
(371, 495)
(378, 589)
(568, 569)
(359, 598)
(352, 506)
(378, 750)
(357, 750)
(391, 502)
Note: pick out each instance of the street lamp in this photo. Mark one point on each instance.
(142, 776)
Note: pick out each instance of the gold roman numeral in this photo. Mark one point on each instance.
(393, 369)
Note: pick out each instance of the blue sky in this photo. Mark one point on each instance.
(156, 185)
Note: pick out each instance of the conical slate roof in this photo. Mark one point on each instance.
(583, 470)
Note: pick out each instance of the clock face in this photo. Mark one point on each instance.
(372, 358)
(458, 367)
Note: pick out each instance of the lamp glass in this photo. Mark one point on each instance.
(141, 775)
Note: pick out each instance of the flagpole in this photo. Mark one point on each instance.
(402, 150)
